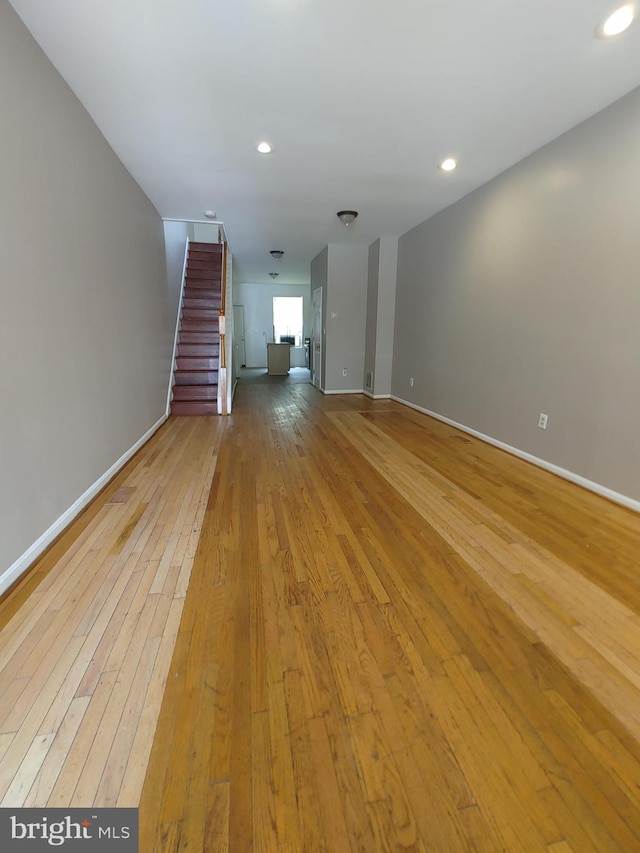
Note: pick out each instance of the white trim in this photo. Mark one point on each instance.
(376, 396)
(590, 485)
(177, 331)
(11, 575)
(229, 336)
(346, 391)
(194, 221)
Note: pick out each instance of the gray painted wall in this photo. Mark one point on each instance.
(257, 301)
(524, 298)
(371, 326)
(345, 309)
(381, 297)
(319, 273)
(86, 327)
(175, 241)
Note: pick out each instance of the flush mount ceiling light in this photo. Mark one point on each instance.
(347, 216)
(274, 274)
(276, 254)
(210, 214)
(264, 148)
(617, 22)
(448, 165)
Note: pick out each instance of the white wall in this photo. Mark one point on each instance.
(204, 232)
(86, 323)
(175, 241)
(257, 300)
(523, 298)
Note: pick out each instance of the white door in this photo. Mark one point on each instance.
(316, 339)
(238, 337)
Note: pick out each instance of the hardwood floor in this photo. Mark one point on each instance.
(88, 636)
(394, 637)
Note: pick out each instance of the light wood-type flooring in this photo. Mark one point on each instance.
(332, 624)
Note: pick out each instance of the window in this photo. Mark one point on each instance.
(287, 320)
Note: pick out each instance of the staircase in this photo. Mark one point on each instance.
(195, 378)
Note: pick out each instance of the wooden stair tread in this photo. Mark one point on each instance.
(207, 303)
(195, 392)
(208, 350)
(195, 377)
(198, 336)
(193, 324)
(194, 407)
(215, 248)
(204, 263)
(209, 278)
(188, 362)
(202, 292)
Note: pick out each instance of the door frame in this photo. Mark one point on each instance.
(239, 338)
(316, 338)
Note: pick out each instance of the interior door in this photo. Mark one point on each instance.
(316, 339)
(238, 336)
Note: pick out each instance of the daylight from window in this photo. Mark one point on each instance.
(287, 320)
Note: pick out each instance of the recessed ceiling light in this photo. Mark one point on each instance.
(264, 148)
(617, 22)
(448, 165)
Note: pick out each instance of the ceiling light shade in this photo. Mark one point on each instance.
(448, 165)
(617, 22)
(276, 254)
(264, 148)
(274, 274)
(347, 216)
(210, 214)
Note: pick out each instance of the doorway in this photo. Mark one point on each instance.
(238, 338)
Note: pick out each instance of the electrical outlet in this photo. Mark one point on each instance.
(344, 371)
(411, 382)
(542, 420)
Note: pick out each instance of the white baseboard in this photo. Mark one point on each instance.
(377, 396)
(346, 391)
(598, 488)
(11, 575)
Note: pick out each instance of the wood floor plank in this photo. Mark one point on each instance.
(56, 756)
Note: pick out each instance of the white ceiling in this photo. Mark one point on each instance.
(360, 99)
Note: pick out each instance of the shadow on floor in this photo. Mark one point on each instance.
(253, 375)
